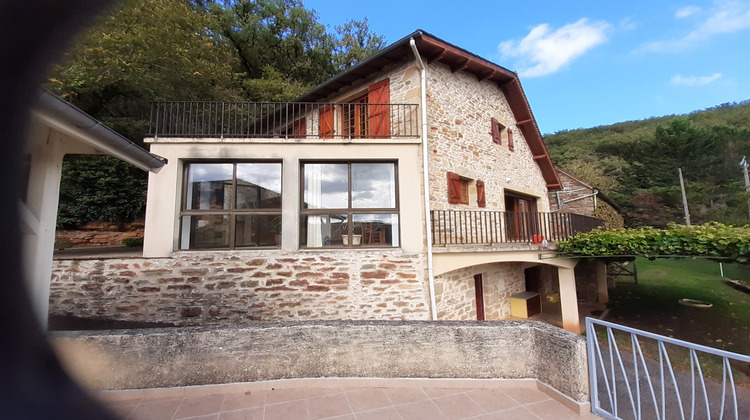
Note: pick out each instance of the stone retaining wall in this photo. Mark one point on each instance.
(129, 359)
(203, 288)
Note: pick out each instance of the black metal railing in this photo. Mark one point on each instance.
(283, 120)
(452, 227)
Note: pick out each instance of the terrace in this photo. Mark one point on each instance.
(285, 120)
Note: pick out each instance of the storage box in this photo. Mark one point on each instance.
(525, 304)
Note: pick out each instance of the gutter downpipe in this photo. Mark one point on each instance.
(425, 167)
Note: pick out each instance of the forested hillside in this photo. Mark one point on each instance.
(186, 50)
(636, 164)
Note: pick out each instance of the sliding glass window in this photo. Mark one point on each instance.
(349, 204)
(231, 205)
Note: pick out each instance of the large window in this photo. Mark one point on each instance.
(349, 204)
(231, 205)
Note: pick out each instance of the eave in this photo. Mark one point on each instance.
(435, 50)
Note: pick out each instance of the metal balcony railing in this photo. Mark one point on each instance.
(283, 120)
(455, 227)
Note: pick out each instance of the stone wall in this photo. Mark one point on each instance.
(127, 359)
(456, 296)
(88, 238)
(460, 111)
(199, 288)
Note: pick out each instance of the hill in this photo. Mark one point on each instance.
(636, 163)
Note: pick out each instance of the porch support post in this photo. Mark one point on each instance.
(601, 282)
(569, 299)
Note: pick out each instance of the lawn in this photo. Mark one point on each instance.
(652, 305)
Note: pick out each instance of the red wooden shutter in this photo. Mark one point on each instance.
(480, 194)
(510, 140)
(326, 122)
(378, 98)
(454, 188)
(496, 132)
(299, 128)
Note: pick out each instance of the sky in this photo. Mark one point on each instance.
(584, 63)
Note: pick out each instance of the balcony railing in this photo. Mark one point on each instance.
(283, 120)
(451, 227)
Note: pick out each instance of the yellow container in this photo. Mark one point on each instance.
(551, 297)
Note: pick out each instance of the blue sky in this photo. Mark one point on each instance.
(585, 63)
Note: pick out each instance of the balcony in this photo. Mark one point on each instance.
(452, 227)
(286, 120)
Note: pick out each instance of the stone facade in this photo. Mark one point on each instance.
(577, 197)
(198, 288)
(456, 294)
(459, 113)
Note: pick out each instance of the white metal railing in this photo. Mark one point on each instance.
(625, 386)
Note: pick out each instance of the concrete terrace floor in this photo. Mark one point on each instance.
(342, 399)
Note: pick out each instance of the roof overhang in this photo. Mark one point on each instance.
(65, 117)
(435, 50)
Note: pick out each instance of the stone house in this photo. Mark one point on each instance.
(578, 196)
(412, 186)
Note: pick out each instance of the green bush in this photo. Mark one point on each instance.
(712, 240)
(132, 242)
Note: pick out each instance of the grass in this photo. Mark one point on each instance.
(653, 305)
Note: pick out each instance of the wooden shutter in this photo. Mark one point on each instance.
(299, 128)
(454, 188)
(481, 202)
(510, 140)
(378, 98)
(496, 132)
(326, 122)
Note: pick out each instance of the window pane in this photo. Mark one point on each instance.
(258, 186)
(326, 186)
(373, 185)
(209, 186)
(210, 231)
(257, 230)
(325, 230)
(377, 229)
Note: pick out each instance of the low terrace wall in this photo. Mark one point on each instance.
(153, 358)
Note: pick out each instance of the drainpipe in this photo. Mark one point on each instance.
(426, 173)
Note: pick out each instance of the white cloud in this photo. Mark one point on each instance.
(726, 16)
(687, 11)
(544, 50)
(694, 80)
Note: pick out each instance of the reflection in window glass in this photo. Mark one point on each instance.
(373, 185)
(209, 231)
(209, 186)
(258, 185)
(257, 230)
(326, 186)
(377, 229)
(324, 230)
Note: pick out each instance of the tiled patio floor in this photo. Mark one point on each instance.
(355, 400)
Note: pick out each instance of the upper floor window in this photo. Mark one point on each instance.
(458, 189)
(231, 205)
(500, 131)
(349, 204)
(368, 115)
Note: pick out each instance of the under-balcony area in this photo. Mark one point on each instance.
(285, 121)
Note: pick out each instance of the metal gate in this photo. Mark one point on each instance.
(635, 374)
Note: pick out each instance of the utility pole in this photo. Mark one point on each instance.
(684, 198)
(744, 166)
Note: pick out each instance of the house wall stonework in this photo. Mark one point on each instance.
(456, 296)
(459, 114)
(219, 287)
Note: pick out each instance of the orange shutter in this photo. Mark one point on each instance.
(326, 122)
(454, 188)
(510, 140)
(299, 128)
(480, 194)
(496, 132)
(379, 98)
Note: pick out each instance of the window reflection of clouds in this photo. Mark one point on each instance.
(266, 175)
(210, 172)
(373, 185)
(326, 185)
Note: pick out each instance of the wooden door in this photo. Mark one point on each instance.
(479, 291)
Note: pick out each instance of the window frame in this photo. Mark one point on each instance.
(350, 211)
(461, 185)
(232, 212)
